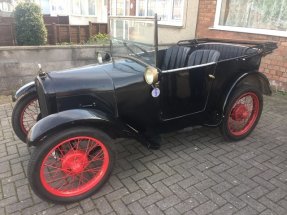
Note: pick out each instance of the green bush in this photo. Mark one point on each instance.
(99, 38)
(30, 27)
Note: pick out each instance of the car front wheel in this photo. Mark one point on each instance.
(242, 114)
(26, 113)
(71, 165)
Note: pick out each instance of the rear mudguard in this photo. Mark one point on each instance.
(77, 117)
(256, 79)
(26, 89)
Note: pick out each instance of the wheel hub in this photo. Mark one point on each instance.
(74, 162)
(240, 112)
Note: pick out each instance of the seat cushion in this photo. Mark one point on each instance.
(175, 57)
(203, 56)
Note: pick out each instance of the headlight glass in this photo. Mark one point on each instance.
(151, 75)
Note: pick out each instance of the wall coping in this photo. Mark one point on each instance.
(9, 48)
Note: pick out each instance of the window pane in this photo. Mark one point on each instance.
(177, 9)
(76, 7)
(85, 7)
(119, 29)
(161, 7)
(261, 14)
(92, 7)
(114, 7)
(61, 7)
(120, 7)
(5, 6)
(142, 7)
(151, 7)
(128, 6)
(169, 11)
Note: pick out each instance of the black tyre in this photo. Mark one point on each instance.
(71, 165)
(25, 114)
(242, 114)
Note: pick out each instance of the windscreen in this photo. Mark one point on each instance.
(134, 37)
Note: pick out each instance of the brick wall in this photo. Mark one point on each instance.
(274, 66)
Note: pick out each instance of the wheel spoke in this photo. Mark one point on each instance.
(53, 171)
(97, 157)
(79, 181)
(51, 166)
(64, 184)
(54, 180)
(93, 170)
(29, 115)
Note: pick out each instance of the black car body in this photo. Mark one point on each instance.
(118, 93)
(192, 83)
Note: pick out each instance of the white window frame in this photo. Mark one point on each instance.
(114, 3)
(217, 26)
(6, 7)
(58, 12)
(81, 15)
(170, 21)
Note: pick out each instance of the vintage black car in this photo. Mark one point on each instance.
(139, 90)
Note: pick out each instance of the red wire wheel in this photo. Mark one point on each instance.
(71, 165)
(29, 115)
(243, 113)
(26, 113)
(74, 166)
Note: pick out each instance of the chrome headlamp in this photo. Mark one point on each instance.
(151, 75)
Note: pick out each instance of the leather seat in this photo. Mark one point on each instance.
(175, 57)
(203, 56)
(227, 51)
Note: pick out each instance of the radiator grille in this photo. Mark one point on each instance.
(42, 97)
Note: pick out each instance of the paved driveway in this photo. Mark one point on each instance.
(194, 172)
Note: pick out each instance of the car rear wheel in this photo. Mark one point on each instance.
(26, 113)
(242, 114)
(71, 165)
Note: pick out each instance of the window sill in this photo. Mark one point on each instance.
(88, 16)
(167, 24)
(250, 30)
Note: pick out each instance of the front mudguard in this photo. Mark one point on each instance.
(77, 117)
(24, 90)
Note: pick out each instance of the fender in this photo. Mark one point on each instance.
(77, 117)
(257, 79)
(24, 90)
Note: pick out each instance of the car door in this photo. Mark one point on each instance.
(185, 91)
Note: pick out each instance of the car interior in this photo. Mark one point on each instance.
(179, 56)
